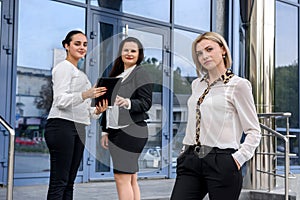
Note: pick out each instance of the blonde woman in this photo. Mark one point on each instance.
(220, 109)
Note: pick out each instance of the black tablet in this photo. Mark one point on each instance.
(112, 85)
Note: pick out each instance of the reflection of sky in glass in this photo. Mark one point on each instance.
(153, 9)
(151, 42)
(286, 34)
(182, 52)
(81, 1)
(49, 23)
(193, 13)
(148, 8)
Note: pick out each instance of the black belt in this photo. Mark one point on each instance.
(203, 150)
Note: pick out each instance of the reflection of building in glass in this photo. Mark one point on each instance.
(34, 98)
(29, 83)
(30, 119)
(155, 122)
(156, 113)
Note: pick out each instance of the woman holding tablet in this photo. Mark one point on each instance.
(124, 129)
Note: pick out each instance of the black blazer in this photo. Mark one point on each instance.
(138, 88)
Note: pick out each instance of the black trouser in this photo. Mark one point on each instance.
(65, 140)
(214, 172)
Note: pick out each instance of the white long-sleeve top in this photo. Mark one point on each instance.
(227, 111)
(68, 84)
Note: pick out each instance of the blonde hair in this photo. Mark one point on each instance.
(216, 38)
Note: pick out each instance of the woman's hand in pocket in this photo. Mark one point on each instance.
(237, 164)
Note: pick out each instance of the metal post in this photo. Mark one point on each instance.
(285, 138)
(287, 168)
(10, 174)
(287, 157)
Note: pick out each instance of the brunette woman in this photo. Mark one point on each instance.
(69, 115)
(125, 130)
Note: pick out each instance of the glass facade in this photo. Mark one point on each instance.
(1, 14)
(2, 150)
(167, 29)
(184, 72)
(169, 64)
(158, 10)
(186, 14)
(39, 49)
(286, 62)
(287, 71)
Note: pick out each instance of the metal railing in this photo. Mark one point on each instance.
(268, 149)
(10, 174)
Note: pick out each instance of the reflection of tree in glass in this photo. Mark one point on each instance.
(286, 93)
(181, 84)
(154, 69)
(44, 101)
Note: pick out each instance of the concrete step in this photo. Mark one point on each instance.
(246, 195)
(263, 195)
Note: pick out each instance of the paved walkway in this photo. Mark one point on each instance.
(151, 189)
(154, 189)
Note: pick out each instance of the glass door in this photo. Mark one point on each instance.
(107, 34)
(103, 47)
(154, 159)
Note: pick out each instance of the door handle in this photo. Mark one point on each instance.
(125, 31)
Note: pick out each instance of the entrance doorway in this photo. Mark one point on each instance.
(105, 38)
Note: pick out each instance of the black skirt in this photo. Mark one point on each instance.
(126, 145)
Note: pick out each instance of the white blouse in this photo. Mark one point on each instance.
(227, 111)
(68, 84)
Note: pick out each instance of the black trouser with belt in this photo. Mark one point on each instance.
(65, 140)
(208, 170)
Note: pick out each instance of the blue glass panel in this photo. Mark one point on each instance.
(49, 23)
(42, 26)
(182, 52)
(193, 13)
(80, 1)
(184, 72)
(159, 10)
(287, 62)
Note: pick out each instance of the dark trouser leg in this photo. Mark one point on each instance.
(189, 184)
(77, 157)
(224, 180)
(214, 173)
(60, 138)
